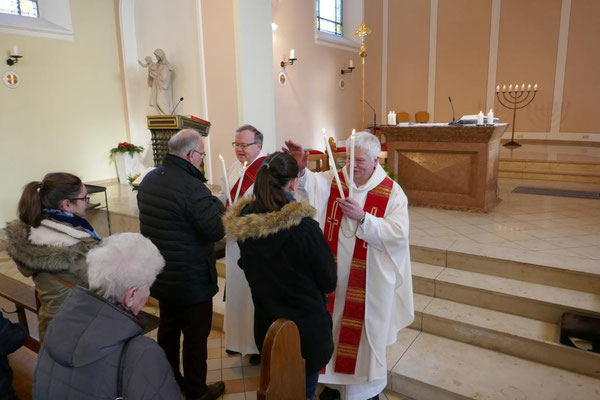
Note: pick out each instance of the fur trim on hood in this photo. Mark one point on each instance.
(31, 258)
(254, 226)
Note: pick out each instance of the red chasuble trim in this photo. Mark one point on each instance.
(249, 178)
(354, 307)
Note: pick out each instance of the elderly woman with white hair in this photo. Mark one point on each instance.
(94, 347)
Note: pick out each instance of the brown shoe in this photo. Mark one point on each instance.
(215, 391)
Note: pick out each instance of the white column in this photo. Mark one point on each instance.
(561, 61)
(384, 64)
(493, 59)
(432, 58)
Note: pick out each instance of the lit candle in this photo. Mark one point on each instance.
(503, 88)
(351, 64)
(529, 87)
(351, 172)
(237, 193)
(292, 54)
(497, 88)
(15, 50)
(226, 180)
(522, 87)
(480, 118)
(490, 117)
(535, 87)
(516, 87)
(510, 88)
(332, 164)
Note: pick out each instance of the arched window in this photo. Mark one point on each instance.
(24, 8)
(329, 17)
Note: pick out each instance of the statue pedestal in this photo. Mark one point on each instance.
(127, 165)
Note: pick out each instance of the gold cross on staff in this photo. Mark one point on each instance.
(363, 30)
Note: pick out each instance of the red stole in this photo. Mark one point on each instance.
(249, 178)
(354, 307)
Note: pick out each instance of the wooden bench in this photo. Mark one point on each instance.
(282, 373)
(24, 298)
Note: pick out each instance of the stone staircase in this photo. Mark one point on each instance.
(550, 170)
(486, 327)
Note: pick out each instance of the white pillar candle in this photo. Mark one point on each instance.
(292, 54)
(535, 87)
(351, 172)
(332, 165)
(226, 179)
(15, 51)
(480, 118)
(394, 122)
(389, 118)
(237, 193)
(490, 117)
(351, 64)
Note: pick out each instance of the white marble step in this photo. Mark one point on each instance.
(431, 367)
(532, 300)
(511, 334)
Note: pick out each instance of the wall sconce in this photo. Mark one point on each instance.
(13, 58)
(349, 70)
(291, 60)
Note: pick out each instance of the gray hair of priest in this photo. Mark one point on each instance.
(184, 141)
(123, 261)
(367, 142)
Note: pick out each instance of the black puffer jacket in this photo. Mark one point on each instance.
(181, 217)
(12, 336)
(289, 268)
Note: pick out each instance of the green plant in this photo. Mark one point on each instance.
(126, 147)
(389, 172)
(131, 179)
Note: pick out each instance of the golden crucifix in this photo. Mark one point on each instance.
(362, 32)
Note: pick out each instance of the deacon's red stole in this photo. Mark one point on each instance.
(249, 178)
(354, 308)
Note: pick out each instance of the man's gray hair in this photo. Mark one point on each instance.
(121, 262)
(184, 141)
(258, 136)
(367, 142)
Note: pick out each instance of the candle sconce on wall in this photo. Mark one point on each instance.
(349, 70)
(13, 58)
(289, 61)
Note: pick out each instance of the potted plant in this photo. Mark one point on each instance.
(127, 160)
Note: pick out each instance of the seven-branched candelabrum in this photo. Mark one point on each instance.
(515, 99)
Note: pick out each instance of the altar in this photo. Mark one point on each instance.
(438, 165)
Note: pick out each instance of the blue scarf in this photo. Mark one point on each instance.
(71, 219)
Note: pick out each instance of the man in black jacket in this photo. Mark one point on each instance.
(12, 336)
(182, 218)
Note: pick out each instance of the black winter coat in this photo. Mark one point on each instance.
(182, 218)
(12, 336)
(289, 268)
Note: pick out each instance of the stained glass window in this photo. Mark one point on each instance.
(25, 8)
(329, 16)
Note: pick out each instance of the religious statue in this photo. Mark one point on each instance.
(159, 81)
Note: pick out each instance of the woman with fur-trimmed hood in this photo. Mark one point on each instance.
(50, 240)
(286, 260)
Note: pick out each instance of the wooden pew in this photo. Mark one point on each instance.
(24, 298)
(282, 373)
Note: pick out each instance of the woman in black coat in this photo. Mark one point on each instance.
(286, 260)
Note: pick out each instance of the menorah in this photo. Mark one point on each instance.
(515, 99)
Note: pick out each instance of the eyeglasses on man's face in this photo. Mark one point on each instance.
(242, 146)
(86, 198)
(202, 154)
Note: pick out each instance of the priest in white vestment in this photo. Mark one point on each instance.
(388, 295)
(239, 308)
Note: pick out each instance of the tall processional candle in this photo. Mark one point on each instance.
(332, 165)
(226, 179)
(237, 193)
(351, 172)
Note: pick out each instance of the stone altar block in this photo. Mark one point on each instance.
(444, 166)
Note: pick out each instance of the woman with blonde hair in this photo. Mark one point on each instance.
(50, 240)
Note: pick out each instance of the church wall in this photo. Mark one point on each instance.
(582, 81)
(374, 70)
(312, 100)
(408, 56)
(68, 112)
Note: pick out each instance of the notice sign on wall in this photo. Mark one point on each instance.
(11, 79)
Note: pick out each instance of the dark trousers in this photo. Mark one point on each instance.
(194, 321)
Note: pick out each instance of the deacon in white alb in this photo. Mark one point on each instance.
(369, 235)
(239, 308)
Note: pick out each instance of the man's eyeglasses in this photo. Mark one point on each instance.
(242, 146)
(202, 154)
(86, 198)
